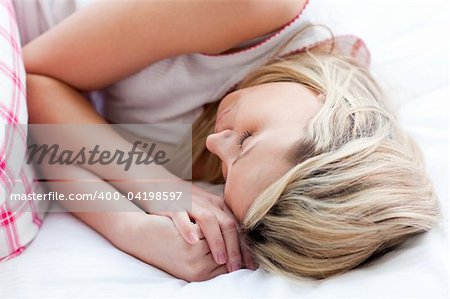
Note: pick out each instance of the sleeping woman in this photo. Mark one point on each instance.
(319, 177)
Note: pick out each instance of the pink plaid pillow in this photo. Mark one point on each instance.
(19, 220)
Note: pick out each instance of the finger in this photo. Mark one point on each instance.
(230, 235)
(211, 230)
(198, 230)
(185, 227)
(227, 210)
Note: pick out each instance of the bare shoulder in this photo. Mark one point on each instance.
(257, 18)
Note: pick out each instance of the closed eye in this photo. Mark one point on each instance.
(240, 140)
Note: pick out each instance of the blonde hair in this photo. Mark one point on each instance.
(357, 187)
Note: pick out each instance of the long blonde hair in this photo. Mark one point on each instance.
(357, 187)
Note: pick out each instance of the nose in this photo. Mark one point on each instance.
(221, 144)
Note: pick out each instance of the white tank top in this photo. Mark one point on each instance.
(174, 90)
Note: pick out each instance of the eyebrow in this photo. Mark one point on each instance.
(245, 153)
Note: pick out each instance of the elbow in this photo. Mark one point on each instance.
(31, 62)
(42, 71)
(39, 100)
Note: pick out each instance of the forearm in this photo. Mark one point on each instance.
(114, 226)
(53, 102)
(111, 218)
(150, 238)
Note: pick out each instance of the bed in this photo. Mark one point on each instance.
(409, 46)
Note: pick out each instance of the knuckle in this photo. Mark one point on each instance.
(206, 216)
(183, 228)
(186, 233)
(228, 224)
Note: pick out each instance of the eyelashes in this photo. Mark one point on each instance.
(240, 140)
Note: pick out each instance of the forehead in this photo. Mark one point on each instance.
(287, 102)
(282, 89)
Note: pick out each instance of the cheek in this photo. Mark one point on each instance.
(231, 195)
(234, 194)
(238, 194)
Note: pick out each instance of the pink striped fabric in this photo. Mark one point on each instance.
(19, 220)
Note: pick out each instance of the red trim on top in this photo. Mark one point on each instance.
(356, 46)
(277, 32)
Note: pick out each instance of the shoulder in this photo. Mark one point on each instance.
(258, 18)
(281, 11)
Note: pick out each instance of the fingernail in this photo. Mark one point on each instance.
(194, 237)
(235, 266)
(222, 258)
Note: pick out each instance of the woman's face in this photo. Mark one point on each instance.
(255, 128)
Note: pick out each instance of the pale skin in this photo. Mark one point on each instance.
(253, 126)
(60, 64)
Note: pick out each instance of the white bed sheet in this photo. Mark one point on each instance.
(409, 49)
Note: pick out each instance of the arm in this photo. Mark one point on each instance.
(63, 105)
(136, 233)
(108, 40)
(82, 53)
(87, 42)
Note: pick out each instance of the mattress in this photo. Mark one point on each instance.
(409, 46)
